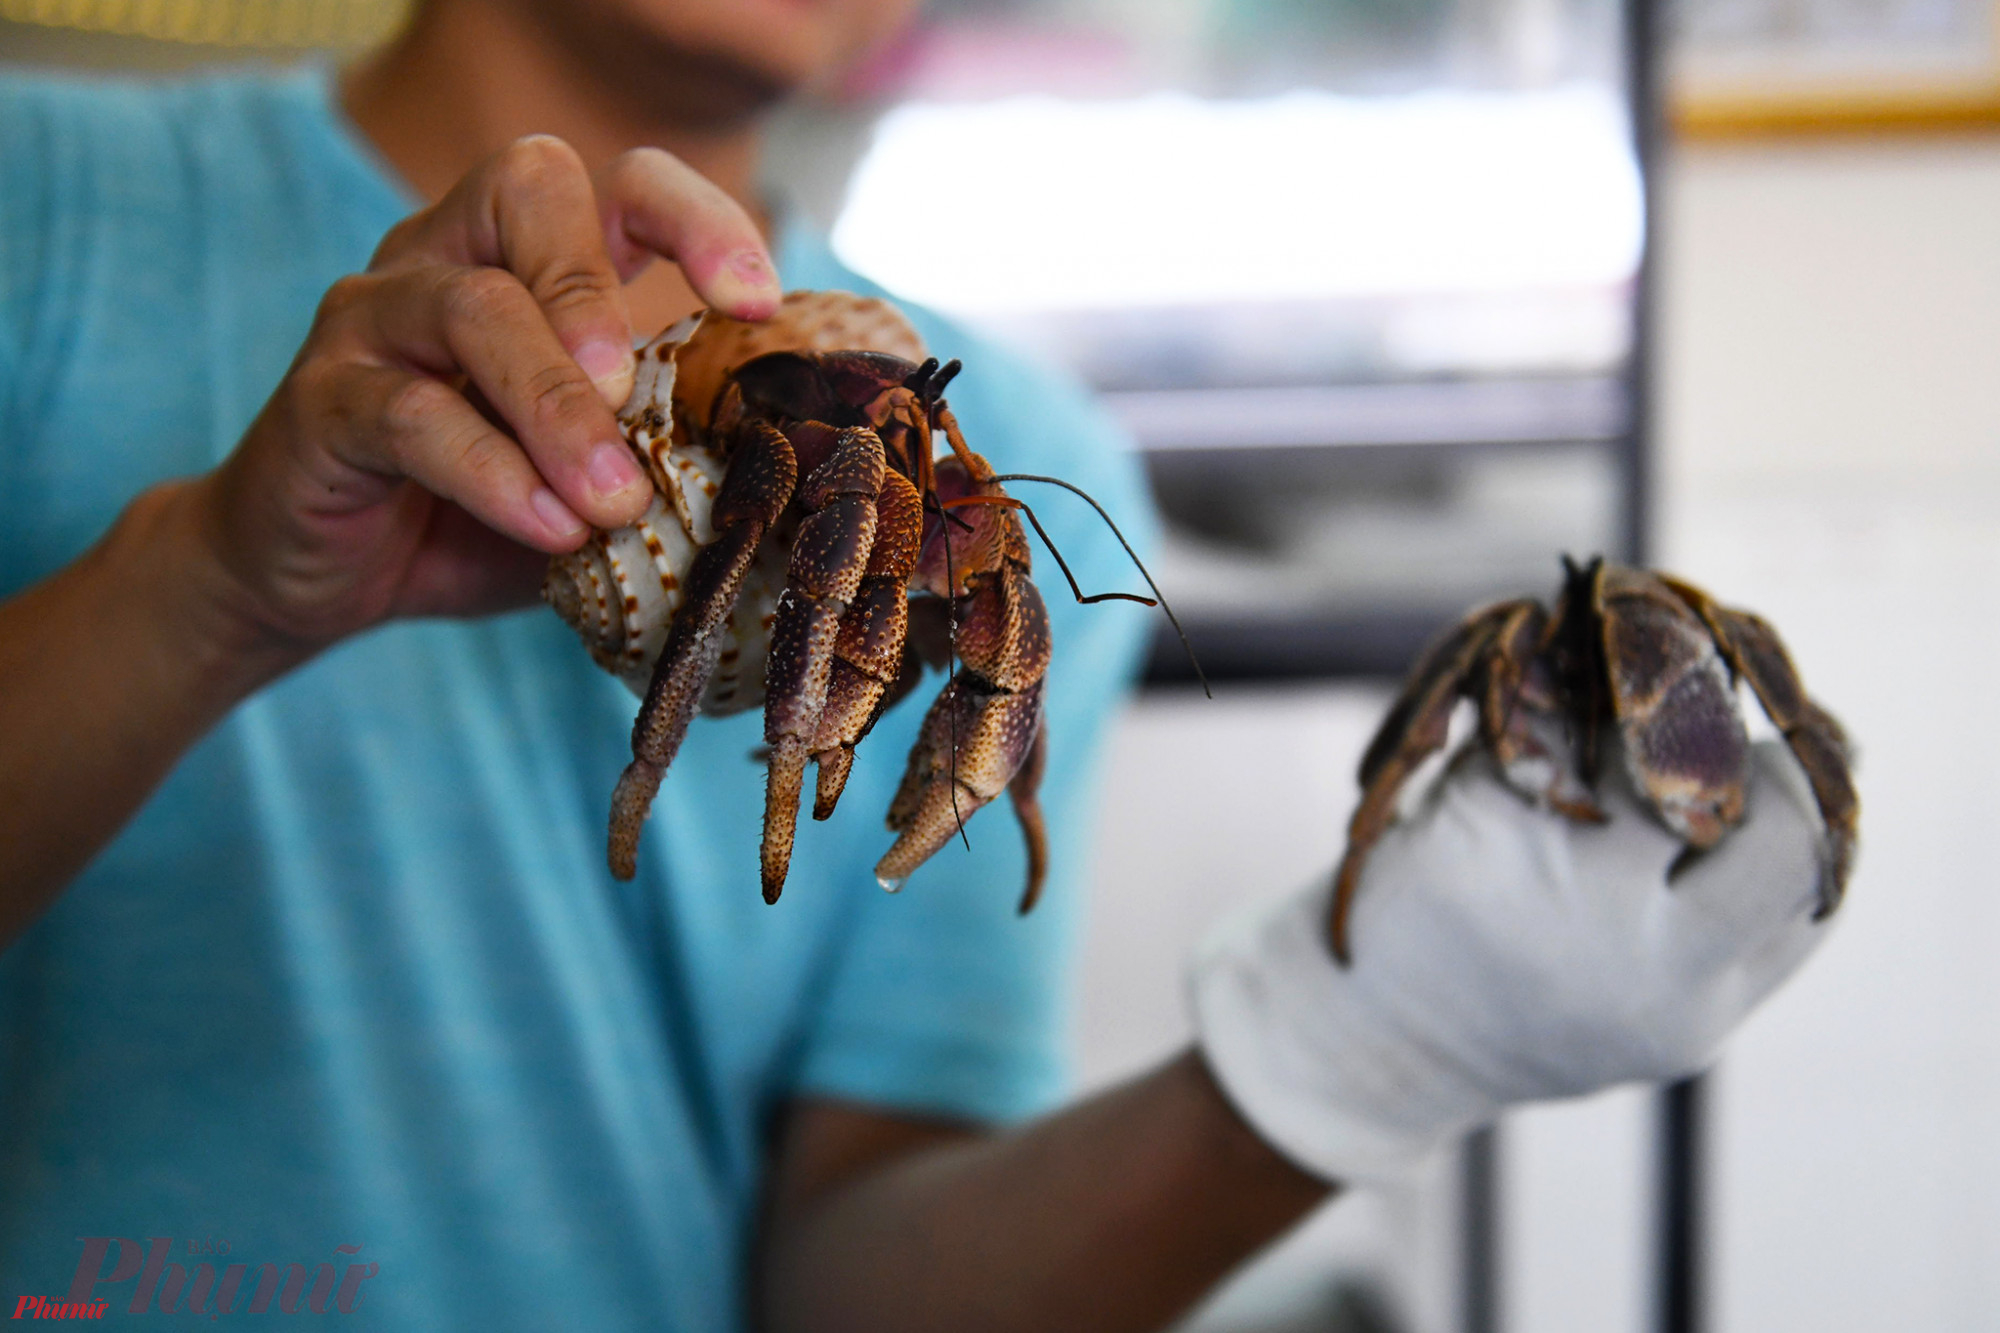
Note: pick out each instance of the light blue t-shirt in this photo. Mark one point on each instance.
(356, 976)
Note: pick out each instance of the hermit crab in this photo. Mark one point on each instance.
(1645, 652)
(806, 551)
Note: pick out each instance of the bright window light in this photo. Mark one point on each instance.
(1039, 203)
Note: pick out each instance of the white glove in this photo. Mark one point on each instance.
(1503, 954)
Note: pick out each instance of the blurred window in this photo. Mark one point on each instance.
(1358, 274)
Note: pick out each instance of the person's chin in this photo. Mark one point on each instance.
(723, 88)
(697, 83)
(770, 48)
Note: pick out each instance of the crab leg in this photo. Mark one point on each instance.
(1522, 719)
(868, 653)
(866, 660)
(1674, 699)
(993, 710)
(979, 737)
(955, 437)
(1416, 728)
(996, 731)
(1756, 653)
(1025, 792)
(756, 489)
(829, 559)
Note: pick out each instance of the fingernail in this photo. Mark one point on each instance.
(602, 360)
(753, 268)
(747, 286)
(555, 515)
(611, 469)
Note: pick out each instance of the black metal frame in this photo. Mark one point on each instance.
(1479, 1253)
(1680, 1288)
(1680, 1232)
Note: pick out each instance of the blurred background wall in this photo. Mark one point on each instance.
(1825, 423)
(1829, 453)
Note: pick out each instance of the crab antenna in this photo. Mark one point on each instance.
(962, 451)
(1172, 619)
(1009, 502)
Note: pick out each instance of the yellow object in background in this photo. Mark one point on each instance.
(295, 24)
(1744, 68)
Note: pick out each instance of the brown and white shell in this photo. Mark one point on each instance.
(621, 590)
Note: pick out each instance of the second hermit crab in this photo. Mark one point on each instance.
(805, 550)
(1645, 654)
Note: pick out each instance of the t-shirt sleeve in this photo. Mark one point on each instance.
(948, 1001)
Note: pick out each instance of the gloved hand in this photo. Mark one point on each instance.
(1503, 954)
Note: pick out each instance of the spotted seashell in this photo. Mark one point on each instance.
(621, 590)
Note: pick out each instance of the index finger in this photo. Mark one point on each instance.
(655, 204)
(531, 209)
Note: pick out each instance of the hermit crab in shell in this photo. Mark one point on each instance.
(805, 550)
(1644, 652)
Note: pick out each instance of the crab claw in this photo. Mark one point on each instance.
(995, 732)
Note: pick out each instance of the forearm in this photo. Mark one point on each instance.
(109, 671)
(1118, 1213)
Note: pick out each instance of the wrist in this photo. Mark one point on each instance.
(165, 558)
(109, 670)
(1244, 1152)
(1313, 1057)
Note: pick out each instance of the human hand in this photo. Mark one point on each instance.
(449, 422)
(1504, 954)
